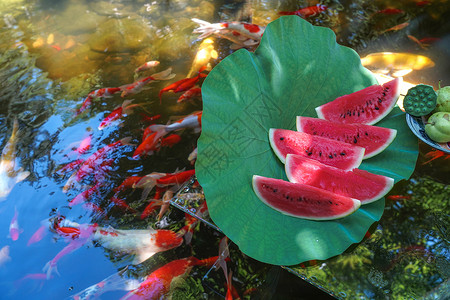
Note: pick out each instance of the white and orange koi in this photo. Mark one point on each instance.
(193, 121)
(142, 243)
(137, 86)
(99, 93)
(189, 94)
(9, 176)
(248, 30)
(146, 66)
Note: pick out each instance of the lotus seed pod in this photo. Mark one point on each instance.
(438, 127)
(443, 99)
(420, 100)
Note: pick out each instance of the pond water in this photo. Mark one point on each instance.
(54, 53)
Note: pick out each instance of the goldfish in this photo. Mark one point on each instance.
(240, 33)
(14, 229)
(157, 284)
(128, 183)
(435, 154)
(415, 40)
(190, 93)
(95, 159)
(148, 182)
(191, 121)
(137, 86)
(146, 66)
(398, 197)
(177, 178)
(183, 84)
(154, 203)
(69, 167)
(390, 11)
(306, 11)
(120, 203)
(205, 53)
(84, 196)
(125, 109)
(396, 27)
(9, 176)
(99, 93)
(4, 255)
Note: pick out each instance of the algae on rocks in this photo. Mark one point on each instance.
(121, 35)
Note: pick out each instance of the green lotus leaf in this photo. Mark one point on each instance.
(296, 68)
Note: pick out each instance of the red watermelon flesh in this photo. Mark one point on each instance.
(358, 184)
(366, 106)
(372, 138)
(303, 201)
(334, 153)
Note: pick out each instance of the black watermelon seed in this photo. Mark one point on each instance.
(376, 108)
(330, 156)
(355, 140)
(342, 153)
(281, 138)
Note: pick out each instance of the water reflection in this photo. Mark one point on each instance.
(55, 53)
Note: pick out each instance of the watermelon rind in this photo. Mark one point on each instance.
(358, 184)
(351, 160)
(373, 146)
(321, 196)
(336, 108)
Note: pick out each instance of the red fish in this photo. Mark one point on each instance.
(87, 194)
(69, 167)
(121, 203)
(151, 119)
(189, 94)
(138, 86)
(154, 203)
(398, 197)
(183, 84)
(100, 93)
(435, 154)
(125, 109)
(397, 27)
(148, 146)
(170, 140)
(175, 178)
(157, 284)
(390, 11)
(128, 183)
(306, 11)
(96, 159)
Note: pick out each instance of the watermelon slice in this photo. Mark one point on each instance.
(366, 106)
(359, 184)
(303, 201)
(372, 138)
(334, 153)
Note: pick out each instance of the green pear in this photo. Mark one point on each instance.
(438, 127)
(443, 99)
